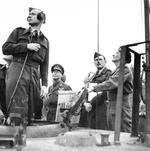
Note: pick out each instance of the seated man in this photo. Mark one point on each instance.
(97, 116)
(50, 101)
(111, 85)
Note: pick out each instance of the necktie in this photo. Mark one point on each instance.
(35, 34)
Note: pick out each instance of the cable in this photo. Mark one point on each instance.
(17, 83)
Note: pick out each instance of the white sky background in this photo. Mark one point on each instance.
(71, 27)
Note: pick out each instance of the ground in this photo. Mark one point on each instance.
(49, 143)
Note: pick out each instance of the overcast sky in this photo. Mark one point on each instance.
(71, 27)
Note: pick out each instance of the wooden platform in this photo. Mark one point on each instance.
(49, 143)
(48, 130)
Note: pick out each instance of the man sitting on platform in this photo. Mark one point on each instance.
(111, 85)
(97, 116)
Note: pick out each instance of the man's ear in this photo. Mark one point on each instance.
(41, 17)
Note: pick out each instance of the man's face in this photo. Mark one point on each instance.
(56, 75)
(116, 56)
(99, 62)
(32, 18)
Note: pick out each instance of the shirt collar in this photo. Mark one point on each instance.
(28, 30)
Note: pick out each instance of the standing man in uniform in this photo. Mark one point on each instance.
(51, 100)
(30, 51)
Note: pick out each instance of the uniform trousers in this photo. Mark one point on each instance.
(26, 99)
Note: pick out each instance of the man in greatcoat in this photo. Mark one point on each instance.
(51, 100)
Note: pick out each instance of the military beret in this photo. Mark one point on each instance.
(57, 67)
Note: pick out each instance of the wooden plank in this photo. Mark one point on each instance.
(147, 70)
(35, 131)
(119, 97)
(136, 96)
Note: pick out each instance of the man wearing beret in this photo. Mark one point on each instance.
(97, 116)
(51, 99)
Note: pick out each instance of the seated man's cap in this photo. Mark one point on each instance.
(57, 67)
(96, 54)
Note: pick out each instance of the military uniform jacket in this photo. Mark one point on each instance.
(112, 83)
(16, 45)
(101, 76)
(53, 92)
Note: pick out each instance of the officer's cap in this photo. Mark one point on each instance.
(57, 67)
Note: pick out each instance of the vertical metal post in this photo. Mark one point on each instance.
(136, 96)
(98, 26)
(147, 71)
(119, 97)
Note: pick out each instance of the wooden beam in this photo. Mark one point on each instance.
(98, 26)
(136, 96)
(119, 97)
(147, 70)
